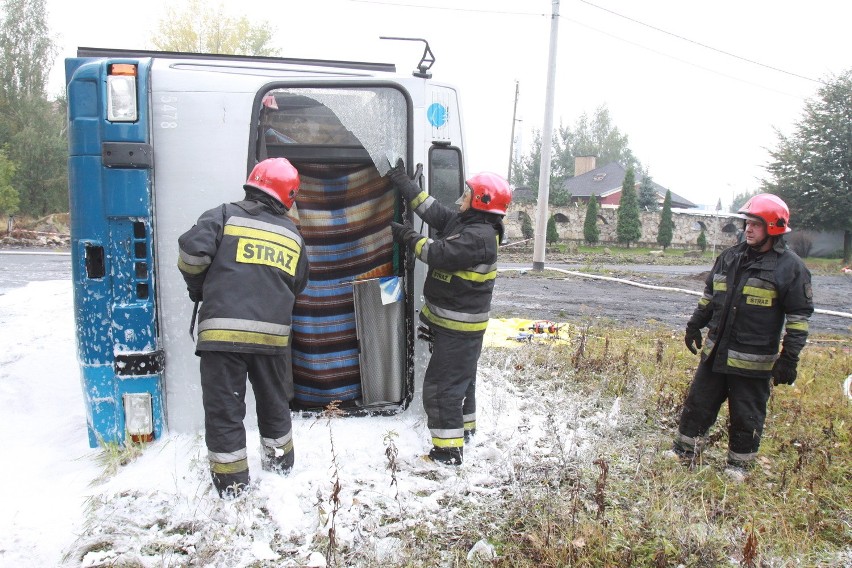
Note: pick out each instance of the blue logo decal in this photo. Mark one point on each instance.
(437, 114)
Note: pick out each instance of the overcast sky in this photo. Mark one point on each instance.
(697, 87)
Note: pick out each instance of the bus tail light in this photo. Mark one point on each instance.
(139, 416)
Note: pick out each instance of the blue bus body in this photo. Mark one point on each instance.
(202, 123)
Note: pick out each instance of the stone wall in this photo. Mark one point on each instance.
(720, 229)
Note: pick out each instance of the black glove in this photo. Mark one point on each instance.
(195, 295)
(408, 186)
(404, 234)
(692, 339)
(784, 370)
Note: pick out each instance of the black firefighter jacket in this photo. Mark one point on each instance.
(745, 306)
(462, 265)
(249, 265)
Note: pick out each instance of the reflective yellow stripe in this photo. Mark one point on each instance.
(237, 231)
(750, 365)
(285, 449)
(192, 269)
(797, 325)
(470, 425)
(453, 324)
(254, 251)
(232, 467)
(703, 302)
(759, 292)
(720, 286)
(448, 442)
(421, 197)
(475, 276)
(244, 337)
(419, 246)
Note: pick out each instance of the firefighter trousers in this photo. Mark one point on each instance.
(449, 388)
(223, 388)
(747, 398)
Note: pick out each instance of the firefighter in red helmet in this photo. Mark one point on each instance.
(757, 292)
(246, 261)
(460, 281)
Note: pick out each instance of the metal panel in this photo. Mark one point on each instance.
(380, 328)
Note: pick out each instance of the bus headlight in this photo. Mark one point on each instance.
(121, 93)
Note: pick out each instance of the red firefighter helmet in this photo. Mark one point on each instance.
(490, 193)
(770, 209)
(276, 177)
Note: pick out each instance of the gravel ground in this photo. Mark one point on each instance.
(570, 298)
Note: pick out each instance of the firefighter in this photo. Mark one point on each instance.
(246, 263)
(459, 284)
(756, 290)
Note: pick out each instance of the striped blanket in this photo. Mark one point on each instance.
(344, 214)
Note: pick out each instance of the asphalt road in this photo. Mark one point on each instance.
(20, 266)
(576, 299)
(544, 295)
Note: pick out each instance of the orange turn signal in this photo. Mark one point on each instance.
(126, 69)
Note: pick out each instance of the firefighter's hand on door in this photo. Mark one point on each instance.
(404, 234)
(407, 186)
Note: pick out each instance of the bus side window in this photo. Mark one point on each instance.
(446, 179)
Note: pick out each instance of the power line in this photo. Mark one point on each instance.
(753, 62)
(703, 68)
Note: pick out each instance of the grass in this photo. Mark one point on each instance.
(632, 505)
(614, 254)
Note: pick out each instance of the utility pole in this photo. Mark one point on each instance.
(540, 244)
(512, 140)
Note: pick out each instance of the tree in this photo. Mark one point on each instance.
(628, 227)
(665, 231)
(559, 196)
(40, 150)
(526, 171)
(26, 50)
(596, 136)
(199, 28)
(590, 226)
(741, 198)
(648, 195)
(9, 199)
(31, 127)
(552, 234)
(588, 137)
(702, 240)
(527, 229)
(812, 168)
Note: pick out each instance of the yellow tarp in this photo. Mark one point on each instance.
(515, 332)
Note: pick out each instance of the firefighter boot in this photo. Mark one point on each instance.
(231, 485)
(277, 460)
(446, 456)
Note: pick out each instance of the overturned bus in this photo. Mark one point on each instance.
(156, 138)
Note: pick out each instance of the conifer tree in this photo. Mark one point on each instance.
(665, 232)
(702, 240)
(628, 228)
(648, 195)
(552, 234)
(527, 229)
(590, 226)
